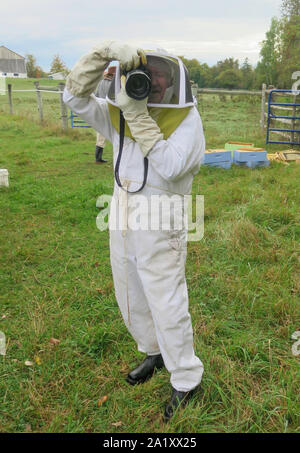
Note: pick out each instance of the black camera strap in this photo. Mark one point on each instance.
(122, 134)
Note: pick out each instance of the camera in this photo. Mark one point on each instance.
(138, 83)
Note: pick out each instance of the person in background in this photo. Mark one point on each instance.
(101, 92)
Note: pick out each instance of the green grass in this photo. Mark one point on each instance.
(56, 281)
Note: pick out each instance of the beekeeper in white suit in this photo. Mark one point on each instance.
(163, 132)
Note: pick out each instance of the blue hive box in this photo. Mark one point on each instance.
(218, 158)
(251, 157)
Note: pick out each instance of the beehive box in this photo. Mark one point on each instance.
(218, 158)
(251, 157)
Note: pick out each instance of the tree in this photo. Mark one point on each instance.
(30, 65)
(281, 49)
(247, 75)
(230, 78)
(228, 63)
(58, 65)
(199, 73)
(267, 68)
(289, 50)
(206, 76)
(39, 72)
(290, 8)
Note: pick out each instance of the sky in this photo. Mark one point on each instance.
(210, 30)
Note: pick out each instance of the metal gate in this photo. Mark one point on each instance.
(293, 120)
(77, 122)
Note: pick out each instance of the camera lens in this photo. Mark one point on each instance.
(138, 84)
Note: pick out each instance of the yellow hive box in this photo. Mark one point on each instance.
(243, 150)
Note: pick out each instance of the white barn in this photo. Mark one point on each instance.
(11, 64)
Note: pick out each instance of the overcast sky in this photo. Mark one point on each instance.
(209, 30)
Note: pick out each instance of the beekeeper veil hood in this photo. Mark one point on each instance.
(170, 84)
(170, 98)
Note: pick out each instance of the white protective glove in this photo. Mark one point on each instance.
(88, 71)
(143, 128)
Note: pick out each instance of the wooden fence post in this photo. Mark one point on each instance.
(9, 90)
(263, 107)
(195, 89)
(63, 108)
(39, 101)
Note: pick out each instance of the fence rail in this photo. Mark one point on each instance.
(229, 92)
(263, 93)
(59, 89)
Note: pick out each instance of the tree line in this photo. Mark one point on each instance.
(279, 59)
(35, 71)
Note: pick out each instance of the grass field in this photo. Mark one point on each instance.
(56, 282)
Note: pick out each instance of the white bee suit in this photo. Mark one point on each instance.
(149, 266)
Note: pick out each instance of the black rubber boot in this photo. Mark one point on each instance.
(145, 370)
(98, 155)
(177, 399)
